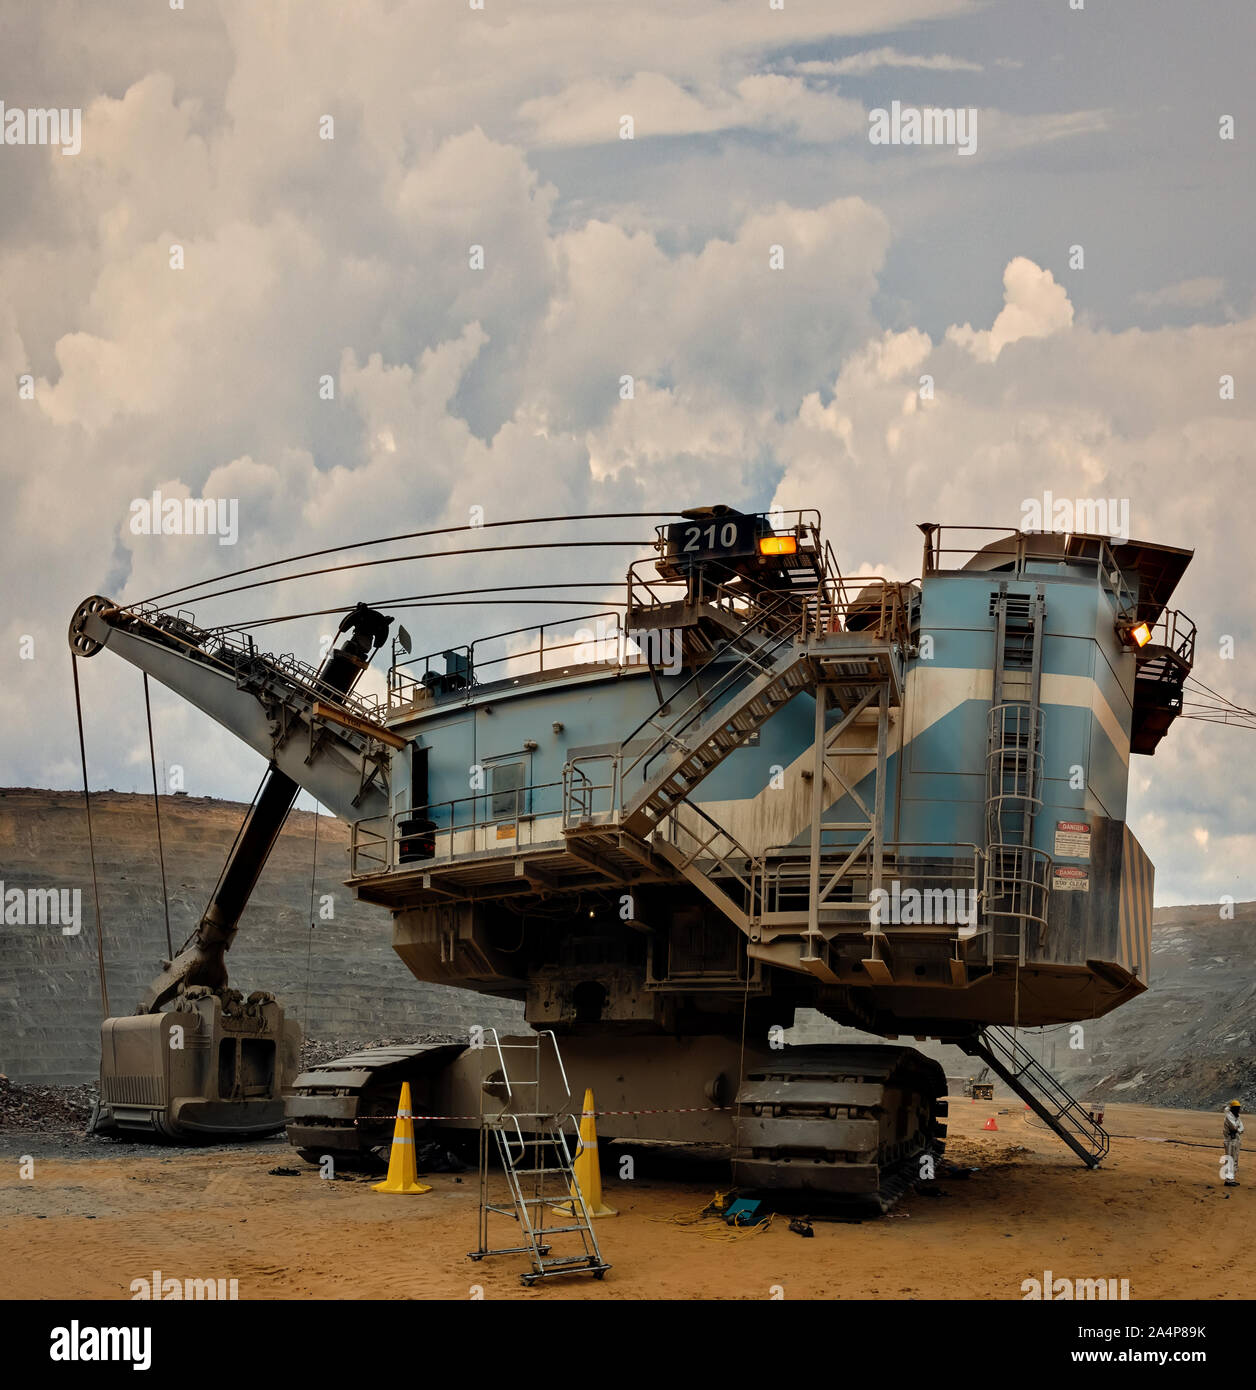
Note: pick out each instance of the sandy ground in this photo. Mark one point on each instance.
(1156, 1214)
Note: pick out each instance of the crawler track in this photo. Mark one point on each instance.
(333, 1108)
(848, 1122)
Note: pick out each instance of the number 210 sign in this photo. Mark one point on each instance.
(721, 535)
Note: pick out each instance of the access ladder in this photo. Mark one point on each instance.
(1041, 1091)
(534, 1149)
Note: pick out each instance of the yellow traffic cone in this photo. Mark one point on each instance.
(587, 1170)
(403, 1172)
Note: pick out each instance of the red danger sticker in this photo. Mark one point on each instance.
(1072, 839)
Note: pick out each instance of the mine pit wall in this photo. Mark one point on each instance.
(358, 990)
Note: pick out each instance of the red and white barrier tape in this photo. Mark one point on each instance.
(666, 1110)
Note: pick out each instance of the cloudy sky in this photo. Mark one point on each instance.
(305, 258)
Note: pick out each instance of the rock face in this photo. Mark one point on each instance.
(1190, 1041)
(341, 981)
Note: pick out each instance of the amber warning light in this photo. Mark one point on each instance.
(778, 545)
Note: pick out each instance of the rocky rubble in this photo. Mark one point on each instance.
(45, 1109)
(314, 1052)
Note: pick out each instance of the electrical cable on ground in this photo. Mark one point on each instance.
(726, 1234)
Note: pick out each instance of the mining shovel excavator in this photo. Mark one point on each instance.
(664, 861)
(197, 1059)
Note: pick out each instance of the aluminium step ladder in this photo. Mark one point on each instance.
(535, 1149)
(1042, 1092)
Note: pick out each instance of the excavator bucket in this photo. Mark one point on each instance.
(213, 1066)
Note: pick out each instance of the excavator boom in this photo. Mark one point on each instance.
(196, 1058)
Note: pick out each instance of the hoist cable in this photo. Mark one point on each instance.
(401, 559)
(309, 949)
(161, 852)
(91, 843)
(406, 604)
(409, 536)
(411, 599)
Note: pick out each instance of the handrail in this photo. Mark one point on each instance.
(731, 594)
(560, 1129)
(789, 851)
(1021, 552)
(417, 812)
(746, 880)
(398, 674)
(558, 1057)
(910, 871)
(876, 602)
(362, 830)
(504, 1118)
(234, 655)
(497, 1043)
(668, 735)
(1021, 1063)
(571, 771)
(1178, 635)
(702, 704)
(673, 820)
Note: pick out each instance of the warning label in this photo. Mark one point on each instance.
(1066, 879)
(1072, 839)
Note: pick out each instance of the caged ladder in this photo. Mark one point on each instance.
(536, 1150)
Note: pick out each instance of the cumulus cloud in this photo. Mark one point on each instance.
(722, 319)
(771, 335)
(1034, 306)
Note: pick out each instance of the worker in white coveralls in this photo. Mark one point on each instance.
(1232, 1137)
